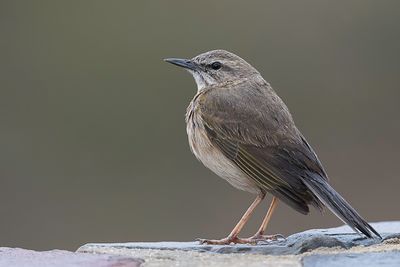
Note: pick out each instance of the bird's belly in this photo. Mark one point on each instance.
(213, 159)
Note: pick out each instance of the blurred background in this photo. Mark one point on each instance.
(93, 145)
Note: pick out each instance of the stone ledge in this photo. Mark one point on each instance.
(336, 246)
(295, 244)
(17, 257)
(386, 259)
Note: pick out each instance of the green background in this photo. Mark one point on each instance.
(93, 146)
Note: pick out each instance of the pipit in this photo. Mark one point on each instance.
(239, 128)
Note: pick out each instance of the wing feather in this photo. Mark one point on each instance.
(258, 135)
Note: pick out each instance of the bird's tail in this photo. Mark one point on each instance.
(339, 206)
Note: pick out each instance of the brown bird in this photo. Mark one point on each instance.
(239, 128)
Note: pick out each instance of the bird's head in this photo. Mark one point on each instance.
(215, 67)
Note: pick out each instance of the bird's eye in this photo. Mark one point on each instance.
(216, 65)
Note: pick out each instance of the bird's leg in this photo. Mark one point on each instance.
(233, 236)
(259, 235)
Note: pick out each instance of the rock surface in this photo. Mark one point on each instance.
(335, 247)
(17, 257)
(322, 247)
(386, 259)
(342, 237)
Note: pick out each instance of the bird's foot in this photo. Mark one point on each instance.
(236, 240)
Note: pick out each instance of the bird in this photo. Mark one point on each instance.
(241, 130)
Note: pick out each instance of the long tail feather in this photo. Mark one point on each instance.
(339, 206)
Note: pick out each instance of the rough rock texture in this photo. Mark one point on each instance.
(295, 244)
(386, 259)
(323, 247)
(180, 258)
(17, 257)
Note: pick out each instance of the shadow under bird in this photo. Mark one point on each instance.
(239, 128)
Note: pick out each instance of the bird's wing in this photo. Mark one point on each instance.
(254, 129)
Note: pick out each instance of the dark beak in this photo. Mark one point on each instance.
(184, 63)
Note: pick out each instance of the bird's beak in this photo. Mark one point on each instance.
(184, 63)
